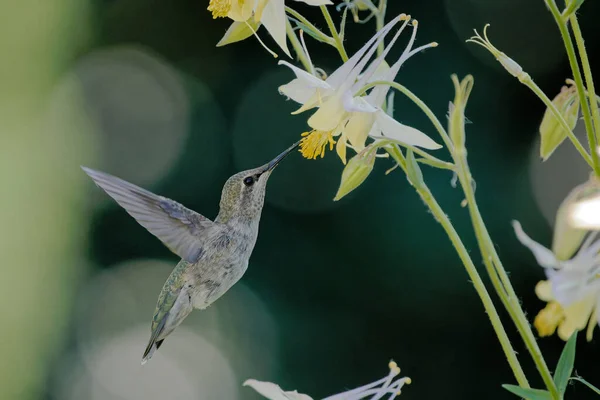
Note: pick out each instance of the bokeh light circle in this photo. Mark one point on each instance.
(553, 179)
(140, 109)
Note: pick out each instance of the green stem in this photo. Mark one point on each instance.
(380, 21)
(587, 72)
(297, 46)
(334, 33)
(496, 270)
(463, 253)
(313, 29)
(492, 263)
(592, 161)
(585, 107)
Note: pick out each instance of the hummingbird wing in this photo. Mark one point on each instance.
(176, 226)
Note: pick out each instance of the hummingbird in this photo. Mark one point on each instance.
(214, 254)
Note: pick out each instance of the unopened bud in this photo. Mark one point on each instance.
(508, 63)
(575, 217)
(356, 172)
(551, 132)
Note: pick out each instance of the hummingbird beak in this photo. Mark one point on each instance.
(271, 165)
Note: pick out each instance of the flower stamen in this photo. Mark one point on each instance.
(314, 143)
(219, 8)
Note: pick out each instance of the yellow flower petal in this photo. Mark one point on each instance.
(237, 31)
(591, 325)
(241, 10)
(357, 129)
(329, 115)
(577, 316)
(543, 290)
(548, 319)
(340, 148)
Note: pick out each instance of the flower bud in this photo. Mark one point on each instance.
(551, 132)
(413, 171)
(573, 221)
(356, 171)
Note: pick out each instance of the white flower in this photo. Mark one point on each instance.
(572, 289)
(375, 390)
(341, 112)
(248, 15)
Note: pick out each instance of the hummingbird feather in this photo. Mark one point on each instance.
(178, 227)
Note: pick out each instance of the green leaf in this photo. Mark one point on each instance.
(586, 383)
(565, 364)
(529, 394)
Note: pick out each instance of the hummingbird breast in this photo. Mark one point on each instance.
(223, 262)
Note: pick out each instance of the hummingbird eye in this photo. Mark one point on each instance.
(249, 181)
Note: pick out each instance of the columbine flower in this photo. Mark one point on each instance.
(341, 112)
(572, 290)
(375, 390)
(248, 15)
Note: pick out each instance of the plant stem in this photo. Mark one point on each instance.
(587, 72)
(480, 288)
(297, 46)
(380, 21)
(495, 268)
(314, 30)
(585, 107)
(497, 274)
(334, 33)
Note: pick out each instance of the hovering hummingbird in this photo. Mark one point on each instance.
(214, 255)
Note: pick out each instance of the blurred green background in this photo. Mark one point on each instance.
(334, 290)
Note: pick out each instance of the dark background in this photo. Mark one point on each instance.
(334, 290)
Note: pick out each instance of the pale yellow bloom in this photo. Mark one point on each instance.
(341, 108)
(572, 290)
(248, 15)
(388, 385)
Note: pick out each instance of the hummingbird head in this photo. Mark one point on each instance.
(244, 193)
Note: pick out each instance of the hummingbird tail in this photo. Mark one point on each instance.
(152, 347)
(154, 342)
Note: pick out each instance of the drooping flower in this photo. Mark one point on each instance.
(342, 110)
(376, 390)
(248, 15)
(572, 289)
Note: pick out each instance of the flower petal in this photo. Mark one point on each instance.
(577, 316)
(306, 78)
(340, 148)
(316, 2)
(350, 70)
(394, 130)
(237, 31)
(543, 290)
(543, 256)
(329, 115)
(357, 104)
(273, 18)
(297, 91)
(273, 392)
(241, 10)
(357, 129)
